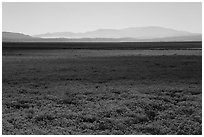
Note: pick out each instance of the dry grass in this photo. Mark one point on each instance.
(104, 95)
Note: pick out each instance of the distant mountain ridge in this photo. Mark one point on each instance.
(11, 35)
(17, 37)
(134, 32)
(144, 34)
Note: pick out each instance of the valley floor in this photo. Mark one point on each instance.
(99, 92)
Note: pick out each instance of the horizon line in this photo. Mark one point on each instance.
(102, 29)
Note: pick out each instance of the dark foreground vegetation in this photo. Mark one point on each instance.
(102, 45)
(101, 95)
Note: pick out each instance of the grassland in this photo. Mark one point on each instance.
(79, 92)
(102, 45)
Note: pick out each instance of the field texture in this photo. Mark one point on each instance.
(102, 45)
(99, 92)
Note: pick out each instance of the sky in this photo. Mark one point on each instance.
(36, 18)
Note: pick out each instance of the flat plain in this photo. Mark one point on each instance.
(72, 91)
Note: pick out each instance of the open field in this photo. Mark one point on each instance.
(102, 92)
(103, 45)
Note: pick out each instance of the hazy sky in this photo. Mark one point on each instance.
(35, 18)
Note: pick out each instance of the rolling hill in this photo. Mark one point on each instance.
(144, 34)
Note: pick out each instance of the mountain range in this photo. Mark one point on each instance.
(133, 34)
